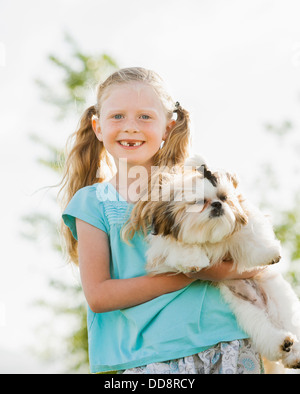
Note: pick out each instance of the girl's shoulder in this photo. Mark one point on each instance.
(106, 192)
(98, 204)
(101, 192)
(86, 205)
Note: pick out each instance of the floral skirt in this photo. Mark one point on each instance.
(236, 357)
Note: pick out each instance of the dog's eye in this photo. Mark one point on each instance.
(223, 197)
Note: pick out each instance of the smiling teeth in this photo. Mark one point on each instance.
(125, 143)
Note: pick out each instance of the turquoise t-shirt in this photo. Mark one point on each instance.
(174, 325)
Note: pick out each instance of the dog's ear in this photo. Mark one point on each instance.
(156, 224)
(164, 220)
(239, 210)
(233, 178)
(242, 218)
(208, 174)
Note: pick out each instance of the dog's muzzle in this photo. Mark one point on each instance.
(217, 209)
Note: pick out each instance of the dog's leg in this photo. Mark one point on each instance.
(255, 244)
(284, 310)
(249, 303)
(286, 303)
(166, 254)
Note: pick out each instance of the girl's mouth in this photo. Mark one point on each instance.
(131, 144)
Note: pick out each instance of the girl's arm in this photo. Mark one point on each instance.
(104, 294)
(223, 271)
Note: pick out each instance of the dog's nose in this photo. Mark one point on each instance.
(216, 205)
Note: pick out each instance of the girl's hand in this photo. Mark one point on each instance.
(224, 271)
(172, 281)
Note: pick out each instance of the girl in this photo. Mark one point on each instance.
(137, 323)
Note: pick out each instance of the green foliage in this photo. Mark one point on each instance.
(79, 74)
(55, 159)
(281, 129)
(287, 228)
(288, 231)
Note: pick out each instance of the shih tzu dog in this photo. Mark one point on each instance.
(198, 218)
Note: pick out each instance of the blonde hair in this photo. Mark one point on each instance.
(87, 156)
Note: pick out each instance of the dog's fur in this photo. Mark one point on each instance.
(208, 222)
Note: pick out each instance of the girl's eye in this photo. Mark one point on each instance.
(118, 116)
(145, 117)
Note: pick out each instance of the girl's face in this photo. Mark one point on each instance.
(132, 123)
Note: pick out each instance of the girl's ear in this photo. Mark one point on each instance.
(169, 127)
(96, 128)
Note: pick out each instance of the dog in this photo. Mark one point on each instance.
(199, 218)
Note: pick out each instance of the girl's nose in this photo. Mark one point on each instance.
(131, 126)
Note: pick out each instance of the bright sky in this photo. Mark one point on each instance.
(234, 64)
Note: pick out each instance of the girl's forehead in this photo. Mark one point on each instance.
(131, 94)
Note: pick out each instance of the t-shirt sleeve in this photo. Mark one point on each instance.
(87, 207)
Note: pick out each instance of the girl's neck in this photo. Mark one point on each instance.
(130, 181)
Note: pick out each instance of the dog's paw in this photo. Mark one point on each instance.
(194, 265)
(275, 260)
(188, 269)
(291, 357)
(193, 270)
(296, 365)
(270, 255)
(287, 344)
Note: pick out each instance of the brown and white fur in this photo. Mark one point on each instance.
(207, 222)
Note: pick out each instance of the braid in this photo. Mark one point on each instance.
(81, 169)
(175, 148)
